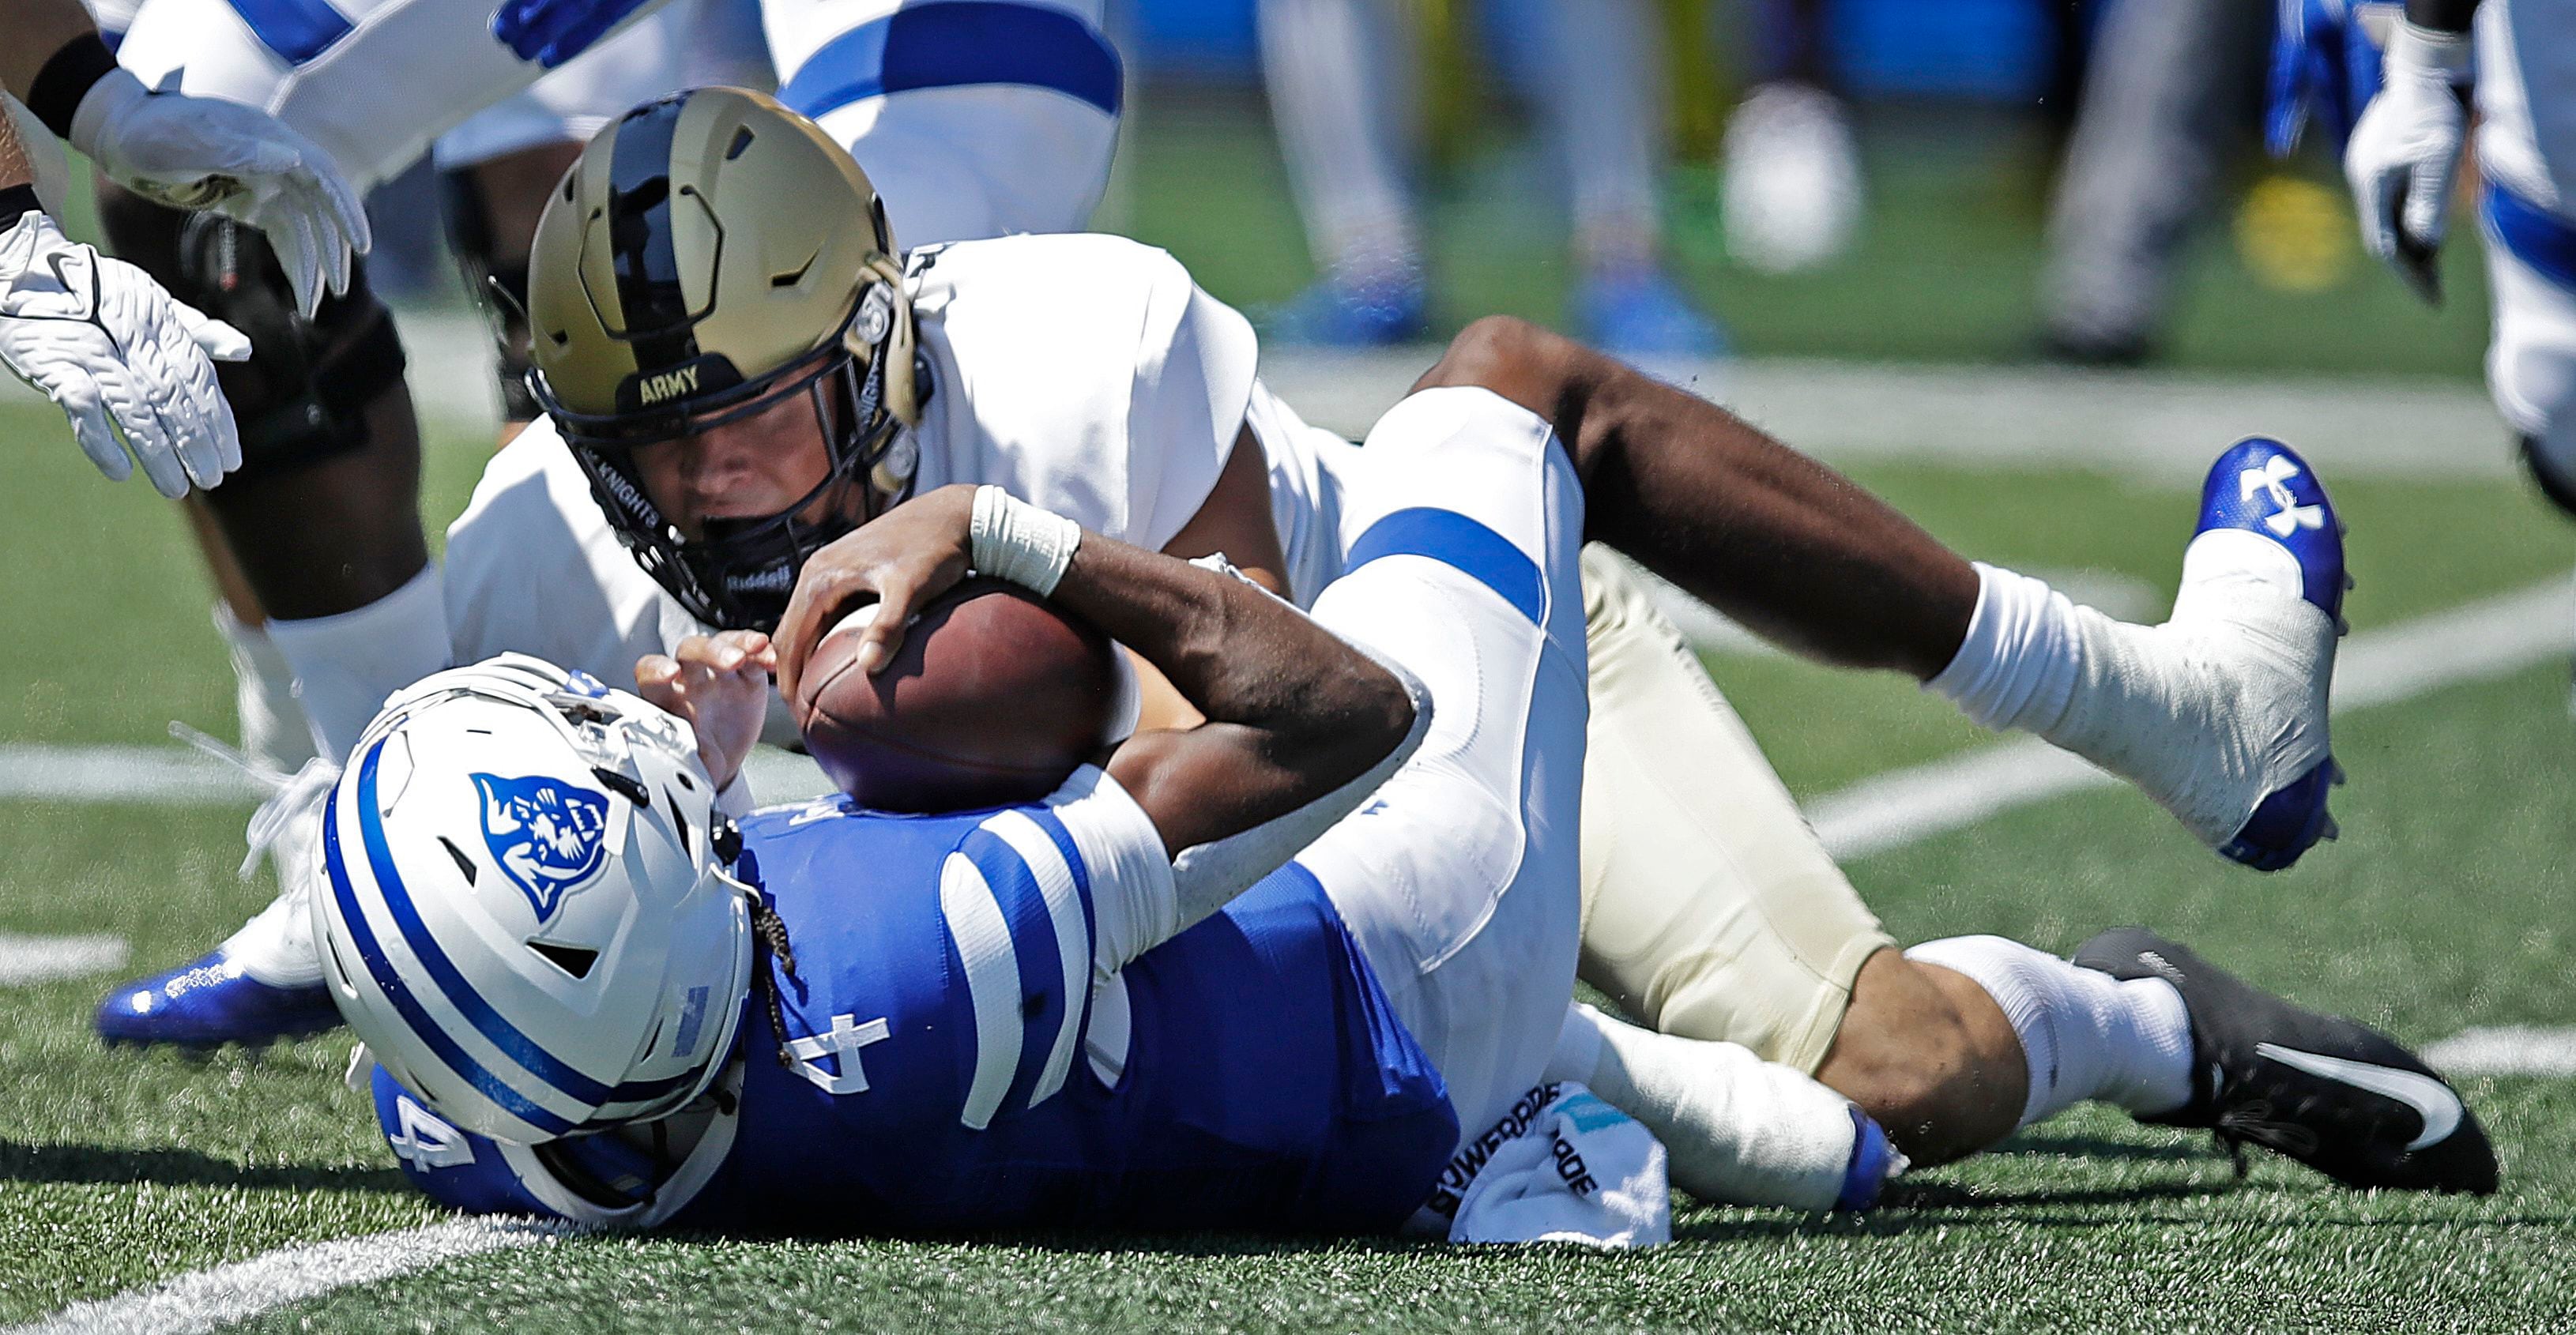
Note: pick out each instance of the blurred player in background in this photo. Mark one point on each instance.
(127, 363)
(988, 116)
(1341, 73)
(2168, 95)
(1793, 193)
(2404, 157)
(1341, 80)
(2392, 86)
(1088, 374)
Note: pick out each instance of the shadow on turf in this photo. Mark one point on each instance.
(21, 1162)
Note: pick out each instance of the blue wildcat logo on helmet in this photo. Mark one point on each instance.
(547, 835)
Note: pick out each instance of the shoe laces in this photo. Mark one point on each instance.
(292, 798)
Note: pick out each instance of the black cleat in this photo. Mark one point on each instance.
(2337, 1096)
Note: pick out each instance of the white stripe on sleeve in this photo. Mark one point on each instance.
(983, 940)
(1072, 938)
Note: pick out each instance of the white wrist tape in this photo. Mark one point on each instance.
(1010, 539)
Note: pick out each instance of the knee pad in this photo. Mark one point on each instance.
(302, 396)
(2552, 461)
(500, 291)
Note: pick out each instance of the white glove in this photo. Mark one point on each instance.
(239, 161)
(2405, 151)
(104, 341)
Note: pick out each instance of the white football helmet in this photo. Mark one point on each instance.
(528, 913)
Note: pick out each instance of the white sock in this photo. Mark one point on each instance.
(1738, 1129)
(2085, 1034)
(346, 665)
(2207, 713)
(1337, 72)
(273, 731)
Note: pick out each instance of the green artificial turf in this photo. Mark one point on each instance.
(2444, 906)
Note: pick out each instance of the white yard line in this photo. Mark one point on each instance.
(204, 1300)
(2147, 423)
(42, 959)
(2484, 639)
(2517, 1049)
(179, 776)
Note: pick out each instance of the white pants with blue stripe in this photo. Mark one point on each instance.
(973, 118)
(1462, 519)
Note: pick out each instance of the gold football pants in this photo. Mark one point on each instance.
(1709, 908)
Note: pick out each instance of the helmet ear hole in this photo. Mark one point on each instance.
(575, 961)
(344, 985)
(464, 864)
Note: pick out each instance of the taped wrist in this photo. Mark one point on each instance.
(66, 79)
(1012, 540)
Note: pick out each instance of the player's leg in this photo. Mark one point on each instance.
(1603, 94)
(318, 535)
(2531, 359)
(1712, 913)
(2219, 714)
(1459, 880)
(1726, 923)
(1709, 909)
(1004, 120)
(491, 206)
(1339, 75)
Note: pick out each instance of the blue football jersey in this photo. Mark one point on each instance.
(954, 1060)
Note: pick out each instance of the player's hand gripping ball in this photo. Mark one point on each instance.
(993, 698)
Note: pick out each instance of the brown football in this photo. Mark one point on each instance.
(993, 699)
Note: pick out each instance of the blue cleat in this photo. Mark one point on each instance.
(212, 1001)
(1339, 312)
(1641, 312)
(2263, 489)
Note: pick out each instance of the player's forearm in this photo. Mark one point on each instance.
(1294, 713)
(1240, 655)
(15, 169)
(37, 30)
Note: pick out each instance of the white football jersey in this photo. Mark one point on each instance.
(1087, 374)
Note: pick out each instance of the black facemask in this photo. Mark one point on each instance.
(738, 575)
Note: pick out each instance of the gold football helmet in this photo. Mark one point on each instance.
(711, 254)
